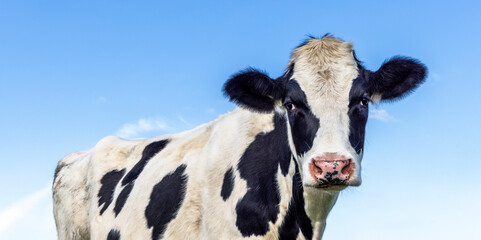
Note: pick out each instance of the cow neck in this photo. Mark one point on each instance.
(318, 204)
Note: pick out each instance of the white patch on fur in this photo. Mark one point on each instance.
(70, 197)
(376, 98)
(278, 108)
(291, 142)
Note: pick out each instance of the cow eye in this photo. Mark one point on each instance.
(289, 106)
(365, 101)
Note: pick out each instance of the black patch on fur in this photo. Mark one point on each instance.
(149, 151)
(357, 113)
(166, 198)
(253, 89)
(296, 217)
(227, 184)
(396, 78)
(258, 166)
(289, 228)
(129, 179)
(304, 124)
(114, 234)
(106, 192)
(122, 198)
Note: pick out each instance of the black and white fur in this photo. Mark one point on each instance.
(244, 175)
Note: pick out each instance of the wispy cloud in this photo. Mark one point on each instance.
(15, 212)
(435, 76)
(381, 114)
(210, 110)
(182, 120)
(101, 99)
(142, 126)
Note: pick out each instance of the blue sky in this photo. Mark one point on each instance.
(74, 72)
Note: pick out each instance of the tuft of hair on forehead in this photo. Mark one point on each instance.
(327, 63)
(325, 50)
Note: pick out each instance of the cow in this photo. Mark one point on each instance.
(270, 169)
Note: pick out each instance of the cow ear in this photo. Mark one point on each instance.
(395, 79)
(253, 89)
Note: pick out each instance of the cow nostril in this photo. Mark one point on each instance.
(347, 169)
(316, 166)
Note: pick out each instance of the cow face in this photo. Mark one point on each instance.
(324, 96)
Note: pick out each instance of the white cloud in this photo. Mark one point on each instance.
(142, 126)
(381, 114)
(210, 110)
(17, 211)
(182, 119)
(102, 99)
(435, 76)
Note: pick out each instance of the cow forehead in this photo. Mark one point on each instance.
(325, 69)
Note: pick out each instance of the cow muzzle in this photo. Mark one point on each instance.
(331, 170)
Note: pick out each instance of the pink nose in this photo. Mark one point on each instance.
(331, 169)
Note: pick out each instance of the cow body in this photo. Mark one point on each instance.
(204, 207)
(270, 169)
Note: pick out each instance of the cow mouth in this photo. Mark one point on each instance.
(331, 186)
(334, 184)
(332, 181)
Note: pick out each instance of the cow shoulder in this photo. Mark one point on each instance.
(259, 166)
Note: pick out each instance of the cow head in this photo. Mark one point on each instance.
(325, 96)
